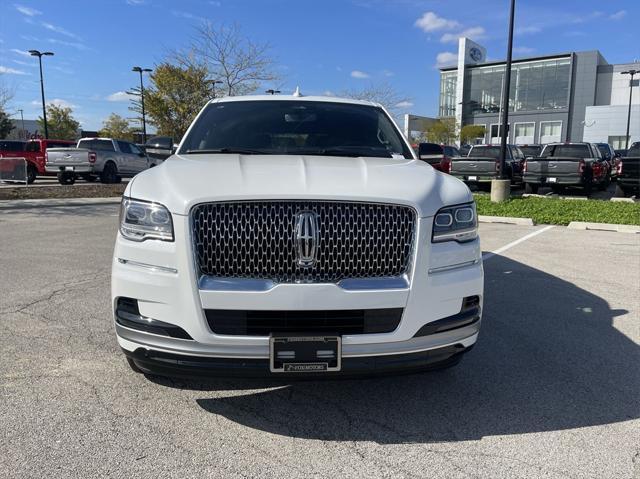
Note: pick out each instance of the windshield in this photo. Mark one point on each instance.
(568, 151)
(295, 127)
(531, 150)
(604, 150)
(485, 151)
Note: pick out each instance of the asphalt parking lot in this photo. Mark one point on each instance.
(551, 390)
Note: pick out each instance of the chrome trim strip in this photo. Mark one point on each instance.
(451, 267)
(211, 283)
(151, 267)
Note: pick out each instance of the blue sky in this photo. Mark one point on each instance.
(323, 46)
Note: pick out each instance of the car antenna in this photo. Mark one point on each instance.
(297, 92)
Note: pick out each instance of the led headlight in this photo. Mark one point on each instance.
(456, 223)
(142, 220)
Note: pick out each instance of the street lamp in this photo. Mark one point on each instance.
(500, 188)
(144, 120)
(213, 84)
(36, 53)
(631, 73)
(22, 120)
(271, 91)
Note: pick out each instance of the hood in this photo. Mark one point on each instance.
(184, 181)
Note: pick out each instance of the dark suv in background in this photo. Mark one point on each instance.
(438, 156)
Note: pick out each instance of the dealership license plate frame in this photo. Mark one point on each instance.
(306, 357)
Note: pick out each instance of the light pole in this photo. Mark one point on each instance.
(213, 84)
(501, 188)
(630, 73)
(22, 120)
(271, 91)
(144, 120)
(36, 53)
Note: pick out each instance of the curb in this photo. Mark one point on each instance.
(506, 220)
(581, 225)
(57, 203)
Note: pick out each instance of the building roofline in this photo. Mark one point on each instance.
(518, 60)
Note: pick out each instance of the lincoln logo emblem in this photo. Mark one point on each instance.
(306, 238)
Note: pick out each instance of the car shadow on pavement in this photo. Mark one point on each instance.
(548, 358)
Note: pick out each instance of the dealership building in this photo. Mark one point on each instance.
(575, 96)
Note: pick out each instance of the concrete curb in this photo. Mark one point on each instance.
(57, 203)
(506, 220)
(581, 225)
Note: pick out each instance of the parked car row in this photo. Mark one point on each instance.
(105, 159)
(556, 165)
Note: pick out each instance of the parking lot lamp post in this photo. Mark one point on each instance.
(22, 121)
(271, 91)
(39, 54)
(213, 84)
(630, 73)
(501, 188)
(144, 120)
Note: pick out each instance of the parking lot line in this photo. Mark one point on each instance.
(506, 247)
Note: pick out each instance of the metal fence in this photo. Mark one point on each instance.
(13, 170)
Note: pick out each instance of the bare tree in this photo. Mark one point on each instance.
(241, 64)
(6, 94)
(383, 93)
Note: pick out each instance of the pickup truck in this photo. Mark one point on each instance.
(93, 158)
(295, 236)
(483, 162)
(629, 172)
(34, 153)
(438, 156)
(567, 164)
(610, 155)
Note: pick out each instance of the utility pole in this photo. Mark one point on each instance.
(144, 120)
(24, 133)
(631, 73)
(36, 53)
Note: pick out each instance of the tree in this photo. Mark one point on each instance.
(469, 133)
(228, 56)
(5, 124)
(175, 97)
(442, 131)
(382, 93)
(6, 95)
(60, 122)
(116, 127)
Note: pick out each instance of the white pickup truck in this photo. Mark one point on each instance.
(293, 236)
(93, 158)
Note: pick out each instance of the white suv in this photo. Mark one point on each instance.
(295, 236)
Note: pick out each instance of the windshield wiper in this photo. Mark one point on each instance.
(240, 151)
(355, 152)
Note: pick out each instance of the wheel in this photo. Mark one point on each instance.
(588, 188)
(620, 191)
(133, 366)
(66, 178)
(530, 188)
(31, 173)
(89, 178)
(109, 173)
(605, 183)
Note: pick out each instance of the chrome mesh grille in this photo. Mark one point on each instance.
(257, 240)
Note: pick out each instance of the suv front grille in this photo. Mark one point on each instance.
(258, 240)
(265, 323)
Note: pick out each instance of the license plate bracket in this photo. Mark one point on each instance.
(293, 353)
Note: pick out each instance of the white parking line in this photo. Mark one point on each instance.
(491, 254)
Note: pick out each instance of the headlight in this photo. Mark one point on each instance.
(456, 223)
(141, 220)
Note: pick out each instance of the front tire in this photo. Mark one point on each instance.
(109, 173)
(31, 174)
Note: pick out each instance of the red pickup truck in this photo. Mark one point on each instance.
(33, 151)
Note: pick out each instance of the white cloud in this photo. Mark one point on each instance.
(30, 12)
(21, 52)
(136, 2)
(475, 33)
(187, 15)
(618, 15)
(78, 45)
(527, 30)
(214, 3)
(328, 93)
(523, 50)
(25, 64)
(446, 59)
(431, 22)
(358, 74)
(60, 30)
(11, 71)
(404, 104)
(119, 96)
(388, 73)
(56, 102)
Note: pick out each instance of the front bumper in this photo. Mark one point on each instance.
(161, 277)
